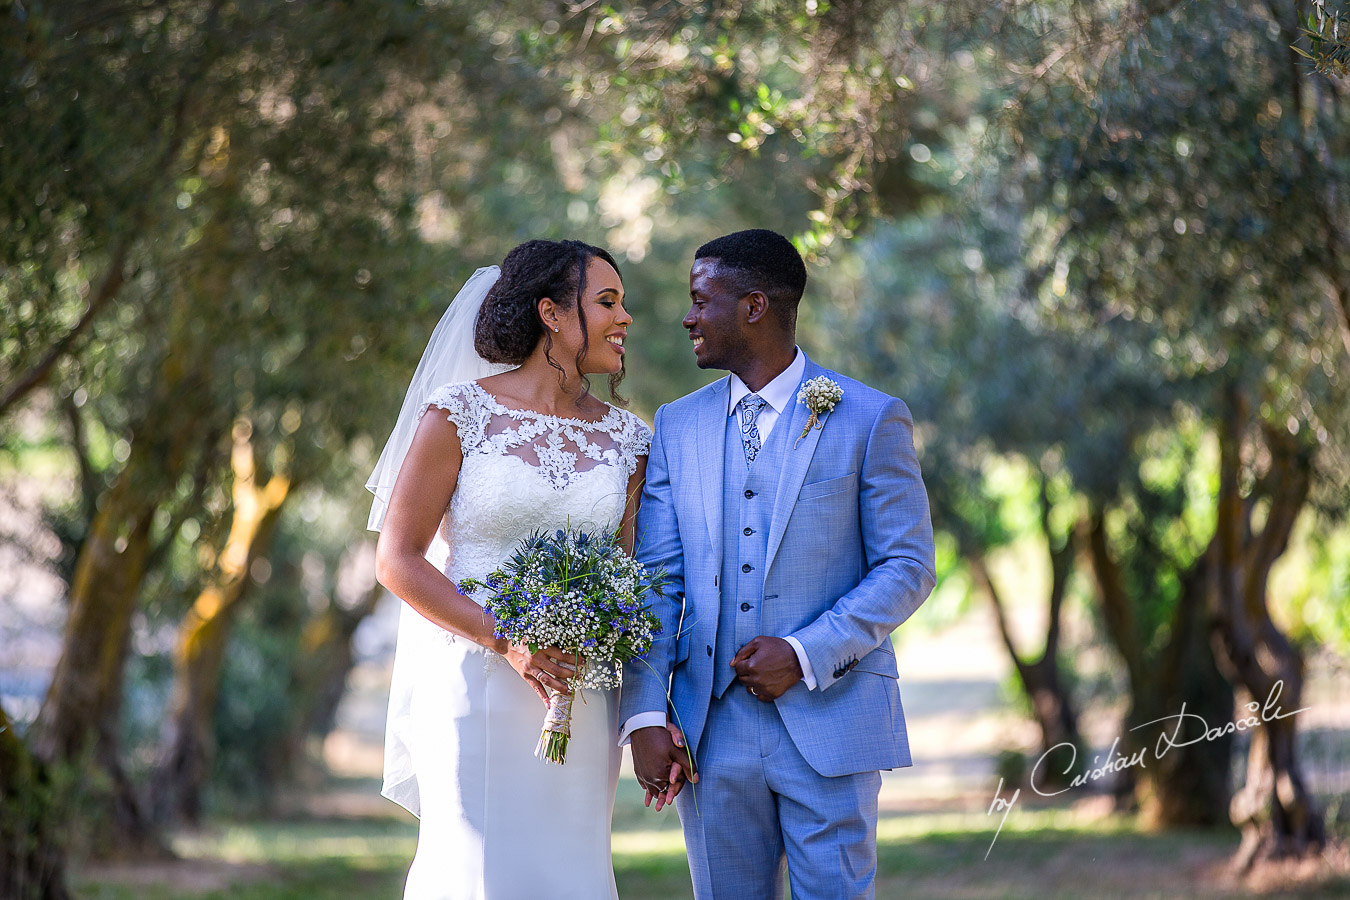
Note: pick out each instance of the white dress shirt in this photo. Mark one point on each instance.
(778, 394)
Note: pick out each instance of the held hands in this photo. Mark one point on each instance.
(548, 668)
(767, 666)
(661, 761)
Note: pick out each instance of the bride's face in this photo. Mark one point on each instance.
(606, 323)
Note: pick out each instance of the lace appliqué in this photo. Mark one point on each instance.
(487, 427)
(524, 472)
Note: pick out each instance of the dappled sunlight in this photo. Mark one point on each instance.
(1098, 249)
(282, 842)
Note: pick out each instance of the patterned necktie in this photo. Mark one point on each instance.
(750, 406)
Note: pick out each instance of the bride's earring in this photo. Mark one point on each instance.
(556, 329)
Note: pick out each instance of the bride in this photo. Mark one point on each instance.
(516, 443)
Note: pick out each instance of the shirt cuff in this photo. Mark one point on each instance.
(641, 720)
(808, 673)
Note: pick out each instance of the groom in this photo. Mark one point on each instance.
(798, 548)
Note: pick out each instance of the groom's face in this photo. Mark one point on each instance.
(716, 320)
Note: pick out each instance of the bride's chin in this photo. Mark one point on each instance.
(599, 367)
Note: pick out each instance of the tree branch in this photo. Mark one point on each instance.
(113, 279)
(981, 573)
(115, 275)
(1061, 564)
(89, 480)
(1117, 611)
(1287, 484)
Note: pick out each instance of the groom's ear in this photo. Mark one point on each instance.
(757, 306)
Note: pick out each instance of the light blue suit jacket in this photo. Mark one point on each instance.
(850, 557)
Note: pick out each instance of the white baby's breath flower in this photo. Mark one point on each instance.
(819, 395)
(586, 597)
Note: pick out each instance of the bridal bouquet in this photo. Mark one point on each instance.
(582, 593)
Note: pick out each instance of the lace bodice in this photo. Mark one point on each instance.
(525, 471)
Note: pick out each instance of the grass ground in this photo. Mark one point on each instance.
(344, 841)
(1064, 852)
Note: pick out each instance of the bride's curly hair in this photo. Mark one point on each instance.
(509, 327)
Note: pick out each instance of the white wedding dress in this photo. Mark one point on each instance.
(496, 823)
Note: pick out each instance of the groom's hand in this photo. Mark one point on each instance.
(767, 666)
(660, 763)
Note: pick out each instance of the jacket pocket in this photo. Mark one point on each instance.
(829, 486)
(880, 661)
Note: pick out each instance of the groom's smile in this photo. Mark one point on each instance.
(714, 320)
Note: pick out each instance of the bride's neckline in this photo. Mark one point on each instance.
(516, 412)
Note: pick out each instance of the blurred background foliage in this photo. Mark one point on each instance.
(1099, 246)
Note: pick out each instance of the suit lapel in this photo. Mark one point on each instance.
(799, 455)
(712, 439)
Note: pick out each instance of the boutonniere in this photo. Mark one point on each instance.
(819, 395)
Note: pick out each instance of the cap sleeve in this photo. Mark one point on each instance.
(462, 406)
(635, 440)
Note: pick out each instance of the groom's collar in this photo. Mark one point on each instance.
(778, 392)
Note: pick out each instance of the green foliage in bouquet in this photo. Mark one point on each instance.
(581, 592)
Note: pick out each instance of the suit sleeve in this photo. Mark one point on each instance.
(897, 537)
(647, 680)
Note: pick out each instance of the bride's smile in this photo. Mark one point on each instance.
(606, 321)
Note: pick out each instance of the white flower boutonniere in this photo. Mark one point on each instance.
(820, 395)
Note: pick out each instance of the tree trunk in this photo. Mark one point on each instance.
(1122, 630)
(80, 715)
(78, 723)
(1275, 809)
(1187, 785)
(32, 857)
(1051, 705)
(1041, 679)
(199, 659)
(1116, 607)
(1193, 785)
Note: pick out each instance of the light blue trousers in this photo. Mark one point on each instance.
(758, 805)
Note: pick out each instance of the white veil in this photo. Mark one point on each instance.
(449, 358)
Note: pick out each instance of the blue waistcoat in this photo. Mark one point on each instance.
(747, 506)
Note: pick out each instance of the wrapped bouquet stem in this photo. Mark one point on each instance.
(580, 592)
(557, 728)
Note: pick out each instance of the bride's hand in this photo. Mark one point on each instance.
(548, 668)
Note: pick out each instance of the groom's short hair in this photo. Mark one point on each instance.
(761, 260)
